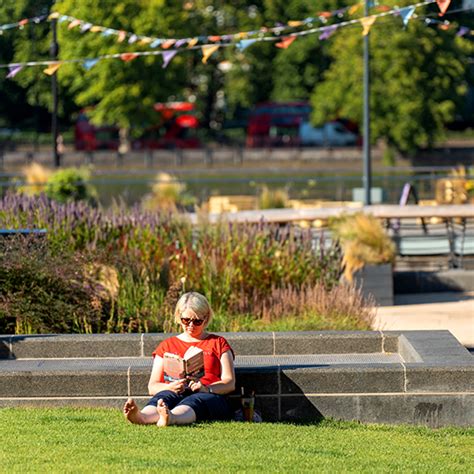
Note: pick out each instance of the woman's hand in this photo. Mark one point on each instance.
(197, 386)
(177, 386)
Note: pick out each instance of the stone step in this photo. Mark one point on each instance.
(391, 376)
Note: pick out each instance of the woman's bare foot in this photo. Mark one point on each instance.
(164, 412)
(132, 413)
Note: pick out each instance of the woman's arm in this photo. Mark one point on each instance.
(227, 382)
(155, 384)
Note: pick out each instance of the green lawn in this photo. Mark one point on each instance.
(99, 440)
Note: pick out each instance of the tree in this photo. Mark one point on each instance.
(418, 78)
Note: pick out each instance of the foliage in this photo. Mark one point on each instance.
(44, 292)
(99, 440)
(70, 184)
(167, 194)
(273, 198)
(363, 242)
(233, 265)
(418, 80)
(36, 177)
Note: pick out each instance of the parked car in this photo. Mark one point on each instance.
(330, 134)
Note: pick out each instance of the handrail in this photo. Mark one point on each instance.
(383, 211)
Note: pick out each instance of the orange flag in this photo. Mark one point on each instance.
(74, 23)
(443, 6)
(51, 69)
(207, 51)
(354, 8)
(128, 56)
(168, 43)
(121, 36)
(367, 22)
(283, 44)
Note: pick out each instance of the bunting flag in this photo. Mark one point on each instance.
(121, 36)
(244, 44)
(168, 43)
(52, 69)
(207, 51)
(193, 42)
(406, 14)
(327, 32)
(462, 31)
(443, 6)
(366, 23)
(283, 44)
(295, 24)
(14, 69)
(133, 39)
(73, 24)
(96, 29)
(128, 56)
(167, 57)
(90, 63)
(354, 8)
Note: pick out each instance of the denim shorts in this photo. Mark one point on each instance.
(207, 406)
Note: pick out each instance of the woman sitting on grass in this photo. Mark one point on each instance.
(183, 401)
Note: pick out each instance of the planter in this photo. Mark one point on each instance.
(376, 280)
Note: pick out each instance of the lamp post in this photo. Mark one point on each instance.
(367, 177)
(53, 52)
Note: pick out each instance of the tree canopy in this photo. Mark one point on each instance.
(420, 73)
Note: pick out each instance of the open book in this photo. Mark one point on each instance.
(191, 366)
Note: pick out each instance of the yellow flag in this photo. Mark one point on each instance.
(51, 69)
(96, 29)
(367, 22)
(207, 51)
(53, 16)
(192, 42)
(354, 8)
(295, 23)
(145, 40)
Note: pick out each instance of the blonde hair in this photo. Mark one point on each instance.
(197, 303)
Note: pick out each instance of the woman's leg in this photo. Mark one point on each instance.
(179, 415)
(149, 414)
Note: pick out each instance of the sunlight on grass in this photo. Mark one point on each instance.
(99, 440)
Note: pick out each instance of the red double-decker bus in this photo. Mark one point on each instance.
(175, 128)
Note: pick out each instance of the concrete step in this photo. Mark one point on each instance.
(376, 376)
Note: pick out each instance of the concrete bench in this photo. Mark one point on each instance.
(421, 377)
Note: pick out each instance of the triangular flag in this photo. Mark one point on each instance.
(214, 38)
(108, 32)
(168, 43)
(23, 22)
(406, 14)
(367, 22)
(96, 29)
(354, 8)
(327, 32)
(50, 70)
(207, 51)
(156, 43)
(167, 57)
(90, 63)
(145, 40)
(443, 6)
(462, 31)
(193, 42)
(444, 26)
(53, 16)
(180, 42)
(244, 44)
(74, 23)
(14, 69)
(85, 27)
(133, 39)
(284, 43)
(128, 56)
(295, 24)
(325, 15)
(121, 36)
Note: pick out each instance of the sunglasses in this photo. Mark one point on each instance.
(188, 321)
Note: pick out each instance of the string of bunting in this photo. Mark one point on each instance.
(406, 13)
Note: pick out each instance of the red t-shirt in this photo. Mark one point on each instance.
(213, 347)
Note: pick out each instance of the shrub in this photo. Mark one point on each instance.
(273, 198)
(70, 184)
(363, 241)
(35, 176)
(44, 292)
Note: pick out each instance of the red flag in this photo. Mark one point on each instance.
(128, 56)
(443, 6)
(283, 44)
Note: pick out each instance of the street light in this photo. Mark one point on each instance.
(53, 52)
(367, 178)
